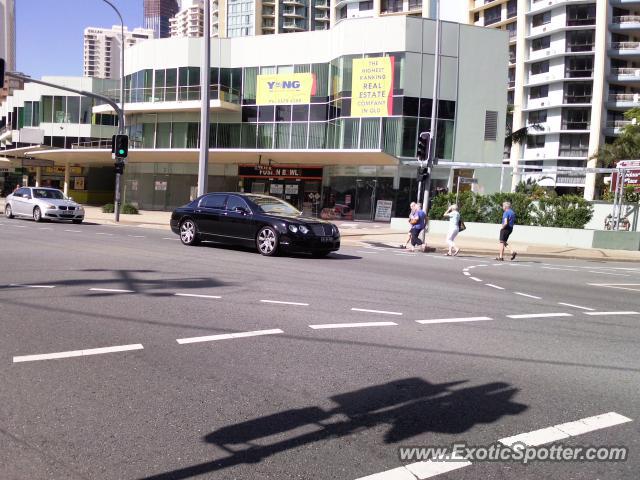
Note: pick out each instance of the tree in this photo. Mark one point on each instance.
(626, 146)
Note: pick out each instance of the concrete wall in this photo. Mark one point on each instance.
(602, 209)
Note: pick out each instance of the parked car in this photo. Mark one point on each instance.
(261, 221)
(42, 204)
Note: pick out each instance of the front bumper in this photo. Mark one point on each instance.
(56, 214)
(309, 244)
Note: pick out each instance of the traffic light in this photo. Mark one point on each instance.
(1, 72)
(120, 146)
(423, 173)
(424, 140)
(119, 167)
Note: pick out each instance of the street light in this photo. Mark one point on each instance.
(121, 126)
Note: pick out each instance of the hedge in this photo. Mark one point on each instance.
(127, 208)
(567, 211)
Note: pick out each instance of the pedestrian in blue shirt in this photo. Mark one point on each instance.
(508, 221)
(418, 221)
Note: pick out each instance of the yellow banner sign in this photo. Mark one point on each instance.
(372, 87)
(285, 88)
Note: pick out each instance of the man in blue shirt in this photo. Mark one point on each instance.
(418, 220)
(508, 221)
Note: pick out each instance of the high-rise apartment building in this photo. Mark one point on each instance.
(189, 21)
(7, 41)
(573, 70)
(102, 49)
(157, 14)
(450, 10)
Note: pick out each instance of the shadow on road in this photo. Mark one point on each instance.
(409, 407)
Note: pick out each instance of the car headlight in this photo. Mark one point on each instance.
(48, 205)
(303, 229)
(336, 232)
(293, 228)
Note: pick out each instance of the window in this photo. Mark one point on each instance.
(537, 117)
(512, 8)
(234, 202)
(579, 67)
(581, 15)
(578, 92)
(574, 145)
(541, 91)
(415, 4)
(387, 6)
(540, 67)
(342, 12)
(364, 6)
(580, 41)
(476, 17)
(512, 54)
(491, 125)
(541, 19)
(541, 43)
(493, 15)
(213, 201)
(535, 141)
(576, 118)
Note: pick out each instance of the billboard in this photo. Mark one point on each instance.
(631, 176)
(285, 88)
(372, 87)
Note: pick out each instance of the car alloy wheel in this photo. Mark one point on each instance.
(188, 234)
(37, 214)
(7, 211)
(267, 241)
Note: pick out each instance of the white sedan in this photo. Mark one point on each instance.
(42, 204)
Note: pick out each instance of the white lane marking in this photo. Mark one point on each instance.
(19, 226)
(167, 238)
(77, 353)
(136, 236)
(540, 315)
(610, 313)
(563, 269)
(475, 279)
(195, 295)
(228, 336)
(384, 312)
(494, 286)
(112, 290)
(576, 306)
(465, 269)
(619, 286)
(285, 303)
(527, 295)
(609, 273)
(470, 267)
(45, 228)
(467, 274)
(31, 286)
(566, 430)
(454, 320)
(364, 251)
(352, 325)
(74, 231)
(102, 233)
(419, 470)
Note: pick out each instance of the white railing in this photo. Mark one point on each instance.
(626, 19)
(618, 123)
(626, 72)
(624, 97)
(625, 45)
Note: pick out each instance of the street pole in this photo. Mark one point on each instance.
(205, 79)
(121, 125)
(458, 189)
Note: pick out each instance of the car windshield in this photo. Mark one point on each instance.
(48, 193)
(273, 205)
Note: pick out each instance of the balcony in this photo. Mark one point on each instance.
(614, 127)
(292, 13)
(322, 6)
(322, 18)
(296, 3)
(293, 27)
(268, 13)
(625, 75)
(625, 49)
(623, 101)
(625, 23)
(577, 99)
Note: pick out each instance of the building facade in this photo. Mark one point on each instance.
(7, 41)
(102, 48)
(189, 21)
(322, 119)
(42, 117)
(450, 10)
(157, 14)
(572, 70)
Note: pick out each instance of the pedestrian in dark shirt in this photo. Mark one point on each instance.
(418, 223)
(508, 221)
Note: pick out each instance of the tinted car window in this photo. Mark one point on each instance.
(48, 193)
(234, 202)
(273, 205)
(213, 201)
(22, 192)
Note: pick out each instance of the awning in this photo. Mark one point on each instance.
(90, 156)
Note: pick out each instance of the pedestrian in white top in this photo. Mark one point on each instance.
(454, 228)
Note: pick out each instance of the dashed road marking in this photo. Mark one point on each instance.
(609, 273)
(527, 295)
(352, 325)
(454, 320)
(228, 336)
(576, 306)
(466, 274)
(619, 286)
(384, 312)
(45, 228)
(74, 231)
(102, 233)
(195, 295)
(497, 287)
(285, 303)
(111, 290)
(30, 286)
(610, 313)
(475, 279)
(136, 236)
(566, 430)
(563, 269)
(77, 353)
(539, 315)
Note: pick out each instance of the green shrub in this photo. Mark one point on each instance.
(129, 209)
(108, 208)
(521, 204)
(566, 211)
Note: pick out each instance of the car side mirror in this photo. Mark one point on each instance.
(241, 210)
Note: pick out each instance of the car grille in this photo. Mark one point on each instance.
(321, 229)
(62, 207)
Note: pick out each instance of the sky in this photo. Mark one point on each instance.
(49, 33)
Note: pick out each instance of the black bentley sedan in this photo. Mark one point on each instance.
(261, 221)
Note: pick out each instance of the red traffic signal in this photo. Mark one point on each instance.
(424, 141)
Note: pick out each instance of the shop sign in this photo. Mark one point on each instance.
(372, 87)
(161, 185)
(78, 183)
(270, 171)
(631, 176)
(276, 188)
(383, 210)
(285, 88)
(291, 189)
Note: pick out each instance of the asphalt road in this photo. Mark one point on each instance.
(336, 374)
